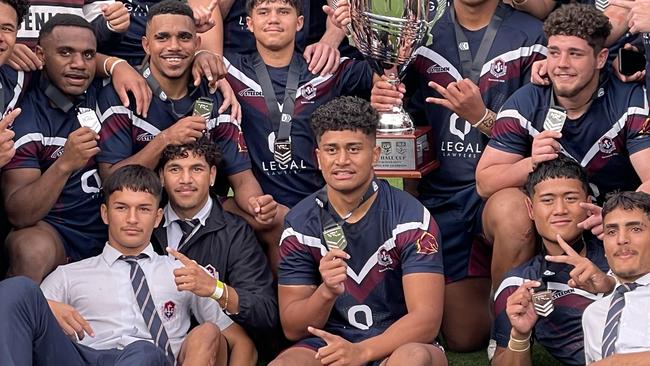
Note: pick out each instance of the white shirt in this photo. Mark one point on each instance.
(174, 232)
(100, 289)
(633, 328)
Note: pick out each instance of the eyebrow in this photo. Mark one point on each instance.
(627, 224)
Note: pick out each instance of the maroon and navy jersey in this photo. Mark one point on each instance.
(124, 133)
(41, 133)
(396, 237)
(519, 42)
(13, 84)
(130, 47)
(560, 332)
(601, 140)
(289, 183)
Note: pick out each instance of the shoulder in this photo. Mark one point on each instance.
(523, 24)
(516, 276)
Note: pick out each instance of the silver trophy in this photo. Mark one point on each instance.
(388, 32)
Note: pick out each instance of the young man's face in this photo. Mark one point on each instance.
(170, 43)
(68, 54)
(274, 24)
(131, 217)
(187, 182)
(555, 208)
(346, 159)
(627, 243)
(8, 31)
(572, 64)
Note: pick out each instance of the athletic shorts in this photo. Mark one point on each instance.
(79, 245)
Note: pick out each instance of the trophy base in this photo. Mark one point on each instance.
(407, 155)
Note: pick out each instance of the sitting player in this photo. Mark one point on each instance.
(360, 276)
(555, 190)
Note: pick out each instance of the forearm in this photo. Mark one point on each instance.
(413, 327)
(312, 311)
(256, 308)
(507, 357)
(333, 35)
(537, 8)
(494, 178)
(245, 186)
(212, 40)
(229, 301)
(32, 202)
(147, 157)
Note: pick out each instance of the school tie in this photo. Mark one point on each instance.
(147, 307)
(187, 226)
(614, 316)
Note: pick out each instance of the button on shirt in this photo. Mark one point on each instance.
(99, 288)
(174, 232)
(634, 326)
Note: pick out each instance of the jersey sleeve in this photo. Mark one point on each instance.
(509, 133)
(638, 122)
(297, 265)
(227, 134)
(28, 141)
(501, 324)
(115, 137)
(535, 52)
(420, 250)
(356, 78)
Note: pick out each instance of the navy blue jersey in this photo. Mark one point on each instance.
(560, 332)
(397, 236)
(130, 47)
(124, 133)
(13, 84)
(519, 42)
(289, 183)
(601, 140)
(41, 133)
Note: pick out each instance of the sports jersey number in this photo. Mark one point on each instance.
(361, 311)
(85, 182)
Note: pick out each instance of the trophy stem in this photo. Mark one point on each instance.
(397, 121)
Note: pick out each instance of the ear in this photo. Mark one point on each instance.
(213, 175)
(161, 174)
(198, 42)
(300, 23)
(318, 155)
(249, 24)
(145, 45)
(529, 207)
(159, 216)
(376, 153)
(104, 213)
(601, 58)
(40, 54)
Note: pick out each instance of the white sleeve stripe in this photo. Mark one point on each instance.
(38, 137)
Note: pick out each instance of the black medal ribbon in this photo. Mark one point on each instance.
(471, 69)
(156, 89)
(331, 222)
(282, 144)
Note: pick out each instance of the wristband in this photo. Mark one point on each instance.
(208, 51)
(519, 345)
(519, 2)
(110, 27)
(218, 291)
(480, 121)
(115, 64)
(106, 62)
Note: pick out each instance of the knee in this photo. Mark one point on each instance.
(18, 290)
(506, 211)
(209, 333)
(31, 248)
(280, 361)
(415, 354)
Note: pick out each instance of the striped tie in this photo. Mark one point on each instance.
(147, 307)
(614, 316)
(187, 227)
(602, 4)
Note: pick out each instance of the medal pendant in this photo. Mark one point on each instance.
(335, 238)
(543, 303)
(555, 119)
(282, 151)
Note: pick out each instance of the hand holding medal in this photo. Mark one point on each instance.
(333, 271)
(520, 310)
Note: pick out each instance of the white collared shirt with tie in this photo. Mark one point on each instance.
(634, 324)
(174, 232)
(99, 288)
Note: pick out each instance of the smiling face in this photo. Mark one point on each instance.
(131, 217)
(627, 243)
(170, 43)
(274, 24)
(187, 182)
(572, 65)
(68, 54)
(8, 31)
(555, 208)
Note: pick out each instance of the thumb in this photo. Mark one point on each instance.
(254, 204)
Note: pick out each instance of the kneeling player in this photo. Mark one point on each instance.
(360, 273)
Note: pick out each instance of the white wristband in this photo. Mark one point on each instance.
(487, 111)
(110, 73)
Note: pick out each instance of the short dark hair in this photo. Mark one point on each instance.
(562, 167)
(580, 20)
(202, 147)
(64, 20)
(627, 200)
(135, 178)
(252, 4)
(20, 6)
(170, 7)
(345, 113)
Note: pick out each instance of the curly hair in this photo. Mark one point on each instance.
(579, 20)
(252, 4)
(345, 113)
(20, 6)
(202, 147)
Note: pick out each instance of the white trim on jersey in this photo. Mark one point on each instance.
(20, 81)
(137, 121)
(389, 244)
(222, 118)
(45, 140)
(553, 286)
(524, 51)
(438, 59)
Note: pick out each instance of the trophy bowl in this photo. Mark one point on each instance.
(388, 32)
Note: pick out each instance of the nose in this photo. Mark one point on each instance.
(564, 59)
(132, 216)
(559, 207)
(186, 177)
(174, 44)
(342, 157)
(78, 61)
(273, 18)
(622, 237)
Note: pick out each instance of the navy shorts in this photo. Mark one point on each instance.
(80, 245)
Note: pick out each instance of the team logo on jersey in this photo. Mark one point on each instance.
(169, 310)
(437, 69)
(386, 147)
(144, 137)
(249, 92)
(645, 128)
(57, 153)
(606, 145)
(383, 258)
(308, 92)
(212, 271)
(400, 147)
(498, 68)
(427, 244)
